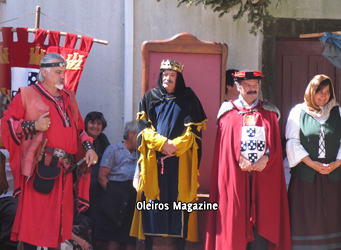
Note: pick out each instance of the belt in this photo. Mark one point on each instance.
(59, 153)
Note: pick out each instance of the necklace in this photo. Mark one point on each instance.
(61, 104)
(60, 101)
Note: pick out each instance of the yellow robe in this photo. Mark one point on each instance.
(187, 152)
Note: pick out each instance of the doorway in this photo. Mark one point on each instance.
(297, 62)
(284, 31)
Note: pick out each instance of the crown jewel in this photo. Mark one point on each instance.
(172, 65)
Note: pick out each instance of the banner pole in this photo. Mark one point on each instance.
(37, 26)
(64, 34)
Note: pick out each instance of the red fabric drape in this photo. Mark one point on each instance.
(5, 66)
(75, 58)
(20, 59)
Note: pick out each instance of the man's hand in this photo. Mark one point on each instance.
(244, 164)
(43, 122)
(91, 157)
(168, 148)
(81, 242)
(260, 164)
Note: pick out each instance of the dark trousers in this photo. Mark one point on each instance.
(29, 246)
(8, 208)
(259, 243)
(180, 243)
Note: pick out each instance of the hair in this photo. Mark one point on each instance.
(316, 84)
(324, 84)
(230, 77)
(47, 59)
(93, 116)
(130, 126)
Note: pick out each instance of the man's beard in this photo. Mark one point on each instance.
(59, 86)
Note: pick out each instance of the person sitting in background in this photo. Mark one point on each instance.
(95, 123)
(8, 204)
(231, 91)
(115, 176)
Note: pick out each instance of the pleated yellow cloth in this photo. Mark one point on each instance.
(187, 152)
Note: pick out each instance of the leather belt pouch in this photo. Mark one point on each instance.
(46, 175)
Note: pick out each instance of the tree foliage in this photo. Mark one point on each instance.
(257, 12)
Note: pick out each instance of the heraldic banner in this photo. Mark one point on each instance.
(20, 60)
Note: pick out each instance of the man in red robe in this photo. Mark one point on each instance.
(45, 112)
(248, 175)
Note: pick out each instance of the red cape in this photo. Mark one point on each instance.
(230, 227)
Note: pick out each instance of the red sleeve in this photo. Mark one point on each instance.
(11, 133)
(212, 215)
(272, 212)
(81, 130)
(83, 186)
(11, 129)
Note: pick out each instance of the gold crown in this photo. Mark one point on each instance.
(73, 63)
(172, 65)
(4, 55)
(35, 57)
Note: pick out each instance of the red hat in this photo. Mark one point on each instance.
(247, 74)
